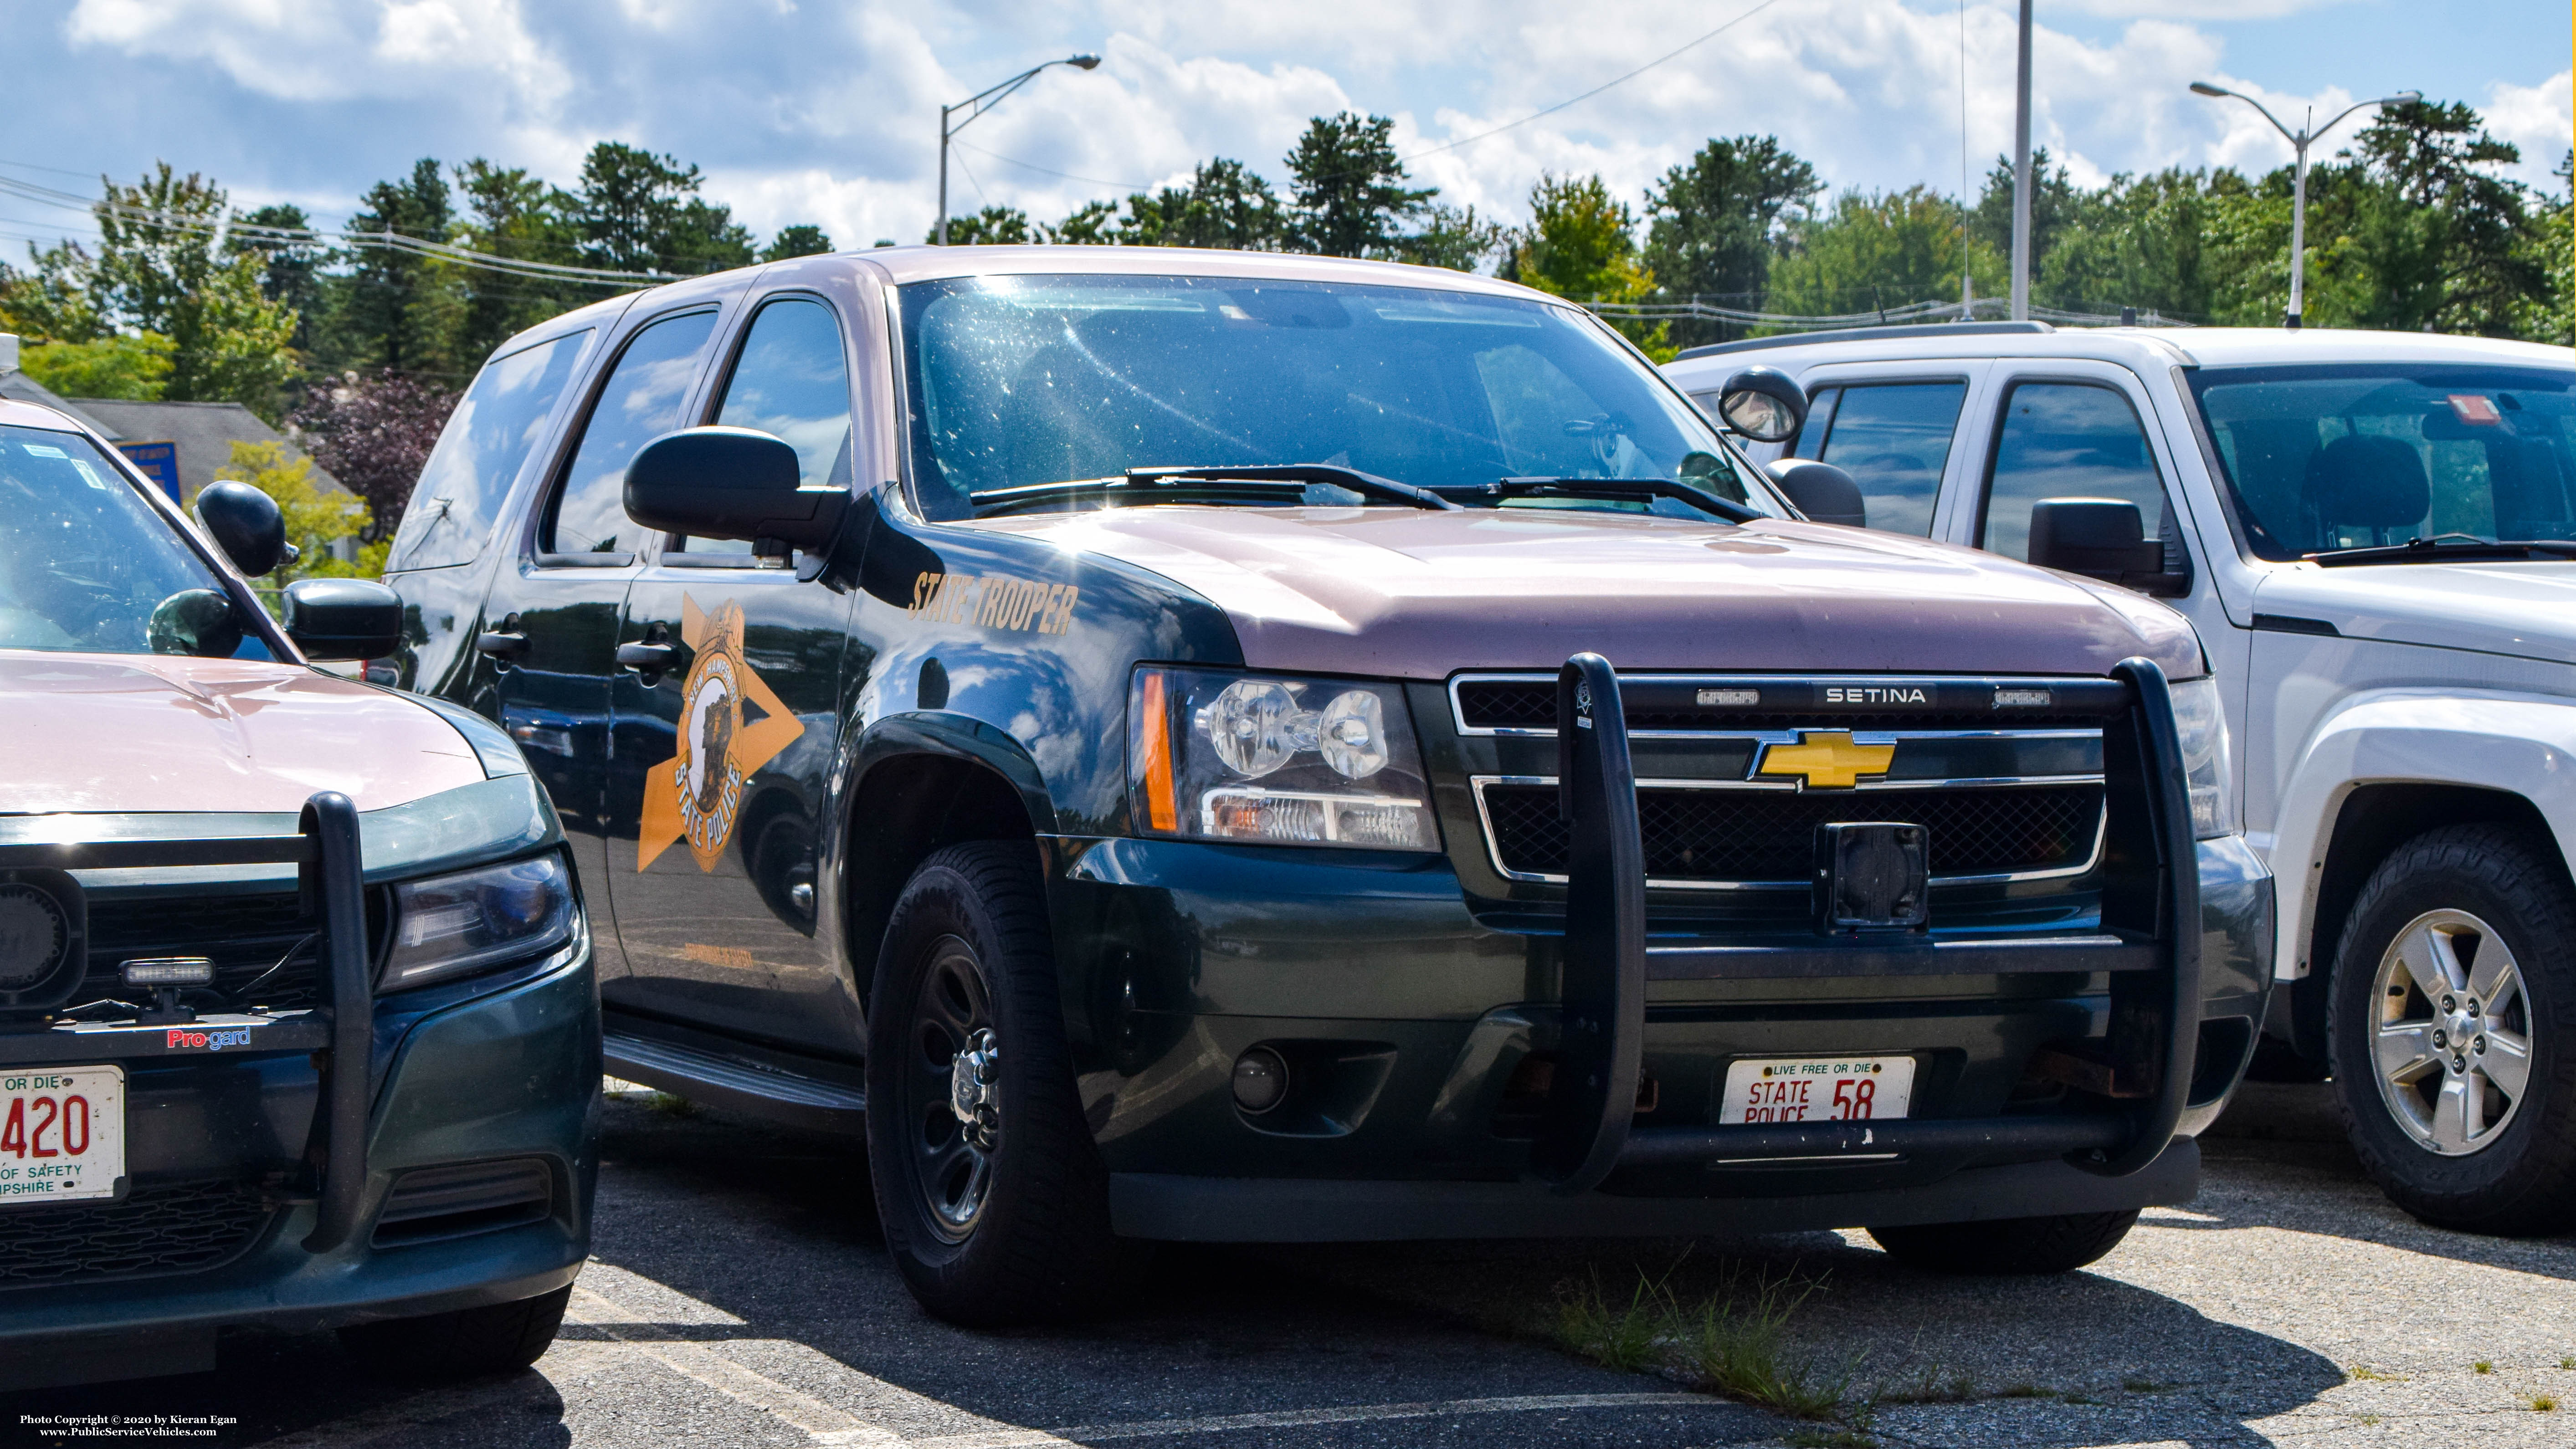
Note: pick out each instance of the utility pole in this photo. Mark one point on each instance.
(2021, 177)
(976, 105)
(2299, 141)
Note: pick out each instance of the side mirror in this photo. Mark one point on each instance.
(2102, 538)
(1764, 404)
(343, 618)
(246, 525)
(1823, 492)
(730, 483)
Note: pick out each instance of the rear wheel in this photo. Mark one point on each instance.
(2060, 1243)
(2446, 1022)
(460, 1344)
(993, 1197)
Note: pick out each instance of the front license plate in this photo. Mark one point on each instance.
(1817, 1089)
(62, 1134)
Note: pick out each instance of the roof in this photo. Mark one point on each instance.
(2130, 346)
(204, 432)
(19, 387)
(900, 265)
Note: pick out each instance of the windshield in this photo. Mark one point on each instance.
(86, 564)
(1017, 381)
(2366, 455)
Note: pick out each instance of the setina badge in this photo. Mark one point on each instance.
(731, 723)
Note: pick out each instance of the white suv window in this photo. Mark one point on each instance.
(1893, 438)
(2066, 440)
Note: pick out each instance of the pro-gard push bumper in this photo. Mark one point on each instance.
(456, 1169)
(1416, 1021)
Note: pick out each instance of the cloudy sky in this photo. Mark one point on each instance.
(827, 110)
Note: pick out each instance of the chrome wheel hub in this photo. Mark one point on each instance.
(2452, 1034)
(975, 1089)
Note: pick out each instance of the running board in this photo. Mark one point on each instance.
(722, 1081)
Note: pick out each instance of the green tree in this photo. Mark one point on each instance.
(290, 272)
(56, 298)
(801, 240)
(160, 270)
(2549, 314)
(1093, 224)
(1873, 250)
(1225, 207)
(509, 213)
(993, 226)
(2054, 206)
(1714, 223)
(397, 309)
(2445, 236)
(1581, 244)
(117, 365)
(1347, 188)
(1453, 237)
(2144, 242)
(637, 211)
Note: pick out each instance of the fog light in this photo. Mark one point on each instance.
(1260, 1080)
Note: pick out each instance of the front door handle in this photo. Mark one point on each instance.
(647, 658)
(505, 643)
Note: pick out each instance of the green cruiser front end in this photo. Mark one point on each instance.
(253, 1142)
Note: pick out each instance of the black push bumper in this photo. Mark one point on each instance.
(325, 852)
(2149, 945)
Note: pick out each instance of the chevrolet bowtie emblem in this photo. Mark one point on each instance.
(1825, 760)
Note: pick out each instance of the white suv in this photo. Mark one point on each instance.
(2375, 534)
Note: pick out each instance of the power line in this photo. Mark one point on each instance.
(1049, 170)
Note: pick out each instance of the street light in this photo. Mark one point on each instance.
(2299, 142)
(976, 105)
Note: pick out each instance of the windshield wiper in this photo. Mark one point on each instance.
(1267, 483)
(2447, 548)
(1615, 489)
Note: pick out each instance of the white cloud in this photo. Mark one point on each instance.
(2537, 119)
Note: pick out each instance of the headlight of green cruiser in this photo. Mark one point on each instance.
(455, 925)
(2207, 772)
(1275, 760)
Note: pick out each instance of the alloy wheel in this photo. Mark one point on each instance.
(2452, 1039)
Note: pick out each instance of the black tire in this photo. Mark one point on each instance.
(2519, 1177)
(1032, 1243)
(466, 1343)
(2008, 1246)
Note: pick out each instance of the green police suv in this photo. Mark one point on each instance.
(297, 1021)
(1172, 745)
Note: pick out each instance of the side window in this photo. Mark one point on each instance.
(641, 402)
(1893, 438)
(1811, 434)
(2067, 440)
(792, 380)
(487, 438)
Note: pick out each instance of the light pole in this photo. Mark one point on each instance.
(976, 105)
(2021, 176)
(2299, 143)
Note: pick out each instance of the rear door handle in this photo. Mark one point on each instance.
(646, 658)
(505, 643)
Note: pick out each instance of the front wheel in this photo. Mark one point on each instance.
(2060, 1243)
(2447, 1012)
(992, 1194)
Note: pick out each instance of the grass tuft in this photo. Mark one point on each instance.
(671, 1106)
(2138, 1385)
(2484, 1366)
(1611, 1334)
(2568, 1362)
(2025, 1391)
(1929, 1387)
(2544, 1403)
(2368, 1374)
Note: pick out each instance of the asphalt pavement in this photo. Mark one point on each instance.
(740, 1297)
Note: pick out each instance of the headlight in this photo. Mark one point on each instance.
(2207, 773)
(1275, 760)
(455, 925)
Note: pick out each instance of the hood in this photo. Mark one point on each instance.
(155, 732)
(1416, 594)
(2522, 609)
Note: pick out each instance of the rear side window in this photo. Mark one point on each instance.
(1894, 439)
(479, 453)
(641, 402)
(2067, 440)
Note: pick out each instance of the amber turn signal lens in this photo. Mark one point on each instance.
(1155, 762)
